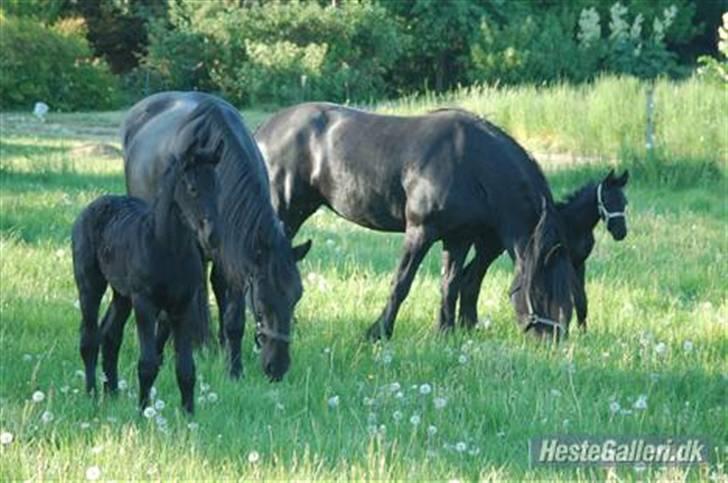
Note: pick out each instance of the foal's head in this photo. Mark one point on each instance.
(196, 196)
(612, 203)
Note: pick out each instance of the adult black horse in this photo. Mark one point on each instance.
(254, 250)
(448, 176)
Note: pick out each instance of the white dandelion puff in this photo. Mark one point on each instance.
(253, 457)
(96, 449)
(38, 397)
(415, 420)
(425, 389)
(47, 417)
(159, 405)
(397, 416)
(123, 385)
(93, 473)
(85, 425)
(439, 402)
(333, 402)
(460, 446)
(149, 412)
(193, 426)
(555, 393)
(431, 430)
(394, 387)
(660, 348)
(399, 395)
(6, 438)
(27, 358)
(688, 346)
(80, 373)
(463, 359)
(614, 407)
(212, 397)
(65, 389)
(641, 403)
(153, 392)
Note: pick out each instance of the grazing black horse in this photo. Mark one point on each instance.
(580, 213)
(150, 258)
(254, 250)
(446, 176)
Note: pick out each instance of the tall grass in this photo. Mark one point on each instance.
(603, 119)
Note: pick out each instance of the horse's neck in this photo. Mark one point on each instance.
(170, 231)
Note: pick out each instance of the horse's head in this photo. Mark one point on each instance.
(612, 203)
(542, 292)
(196, 194)
(276, 289)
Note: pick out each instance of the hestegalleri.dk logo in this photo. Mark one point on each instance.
(607, 451)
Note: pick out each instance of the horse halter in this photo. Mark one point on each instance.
(535, 319)
(604, 213)
(260, 328)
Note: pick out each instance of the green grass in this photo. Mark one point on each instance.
(665, 284)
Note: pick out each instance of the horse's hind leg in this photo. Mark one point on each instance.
(91, 287)
(472, 279)
(146, 316)
(453, 256)
(112, 330)
(418, 241)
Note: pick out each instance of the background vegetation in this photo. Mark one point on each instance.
(278, 53)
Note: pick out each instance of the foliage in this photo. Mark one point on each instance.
(52, 64)
(280, 52)
(712, 68)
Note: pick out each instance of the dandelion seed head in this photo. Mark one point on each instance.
(614, 407)
(440, 402)
(397, 416)
(123, 385)
(688, 346)
(660, 348)
(149, 412)
(6, 438)
(461, 446)
(159, 405)
(641, 403)
(425, 389)
(46, 417)
(27, 358)
(415, 420)
(432, 430)
(212, 397)
(253, 457)
(38, 397)
(463, 359)
(93, 473)
(333, 402)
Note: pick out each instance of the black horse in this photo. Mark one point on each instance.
(580, 213)
(254, 250)
(446, 176)
(150, 258)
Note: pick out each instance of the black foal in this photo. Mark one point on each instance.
(151, 259)
(580, 213)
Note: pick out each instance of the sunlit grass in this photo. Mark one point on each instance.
(658, 318)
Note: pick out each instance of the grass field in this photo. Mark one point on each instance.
(654, 362)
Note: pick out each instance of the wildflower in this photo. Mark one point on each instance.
(330, 242)
(474, 451)
(212, 397)
(484, 324)
(688, 346)
(96, 449)
(641, 403)
(397, 416)
(431, 430)
(149, 412)
(6, 438)
(253, 457)
(160, 420)
(85, 425)
(93, 473)
(327, 350)
(123, 385)
(77, 304)
(38, 396)
(460, 446)
(46, 417)
(192, 426)
(614, 407)
(425, 389)
(79, 373)
(555, 393)
(111, 419)
(334, 402)
(440, 402)
(368, 401)
(500, 434)
(387, 358)
(65, 389)
(399, 395)
(415, 420)
(660, 348)
(159, 405)
(280, 406)
(27, 358)
(463, 359)
(204, 387)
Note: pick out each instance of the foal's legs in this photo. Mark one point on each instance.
(112, 330)
(146, 316)
(485, 253)
(580, 302)
(418, 240)
(184, 362)
(453, 256)
(91, 287)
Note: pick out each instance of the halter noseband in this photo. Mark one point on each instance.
(604, 213)
(535, 319)
(260, 328)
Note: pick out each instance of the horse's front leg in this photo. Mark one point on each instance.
(453, 256)
(146, 313)
(234, 319)
(580, 301)
(472, 280)
(219, 288)
(182, 326)
(418, 241)
(112, 331)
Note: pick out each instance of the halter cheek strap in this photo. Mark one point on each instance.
(535, 319)
(604, 213)
(260, 328)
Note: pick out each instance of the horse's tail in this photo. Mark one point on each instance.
(546, 275)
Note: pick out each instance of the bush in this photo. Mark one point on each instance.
(53, 65)
(278, 53)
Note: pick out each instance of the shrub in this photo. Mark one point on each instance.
(53, 65)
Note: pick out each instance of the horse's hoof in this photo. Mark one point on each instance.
(376, 333)
(236, 374)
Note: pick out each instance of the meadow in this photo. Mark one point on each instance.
(422, 406)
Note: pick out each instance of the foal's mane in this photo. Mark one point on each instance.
(250, 226)
(575, 196)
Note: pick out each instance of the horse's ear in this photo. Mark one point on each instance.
(300, 251)
(609, 178)
(622, 180)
